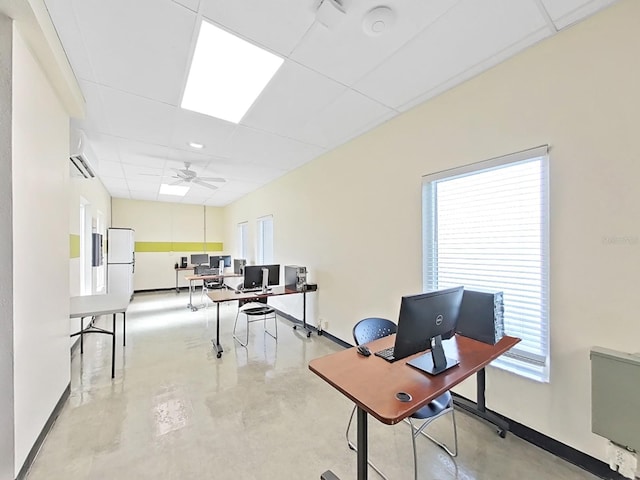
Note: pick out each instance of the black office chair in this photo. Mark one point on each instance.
(210, 284)
(370, 329)
(255, 307)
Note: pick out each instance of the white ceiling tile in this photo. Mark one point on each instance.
(117, 183)
(102, 146)
(291, 99)
(343, 119)
(149, 155)
(467, 35)
(140, 173)
(255, 146)
(138, 118)
(144, 195)
(119, 192)
(346, 53)
(566, 12)
(213, 133)
(64, 19)
(190, 4)
(143, 186)
(141, 47)
(111, 169)
(276, 24)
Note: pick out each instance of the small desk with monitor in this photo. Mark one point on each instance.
(221, 296)
(203, 278)
(372, 383)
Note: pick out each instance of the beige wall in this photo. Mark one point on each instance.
(40, 140)
(165, 222)
(578, 91)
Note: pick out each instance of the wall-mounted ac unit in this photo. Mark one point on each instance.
(83, 160)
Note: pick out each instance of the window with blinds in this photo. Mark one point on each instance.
(243, 249)
(485, 226)
(265, 240)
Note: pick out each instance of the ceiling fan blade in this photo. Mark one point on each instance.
(179, 182)
(213, 179)
(204, 184)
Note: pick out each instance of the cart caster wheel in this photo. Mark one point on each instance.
(295, 327)
(502, 433)
(319, 332)
(219, 354)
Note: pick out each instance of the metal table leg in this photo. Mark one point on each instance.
(363, 472)
(304, 315)
(216, 343)
(113, 348)
(124, 329)
(479, 409)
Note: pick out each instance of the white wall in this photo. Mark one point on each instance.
(6, 257)
(40, 231)
(166, 222)
(577, 91)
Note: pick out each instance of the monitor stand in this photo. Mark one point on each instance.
(435, 361)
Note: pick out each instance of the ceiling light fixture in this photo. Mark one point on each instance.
(227, 74)
(178, 190)
(378, 21)
(199, 146)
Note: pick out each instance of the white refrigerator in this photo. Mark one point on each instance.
(121, 260)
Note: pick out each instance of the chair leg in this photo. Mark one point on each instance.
(415, 431)
(353, 447)
(246, 341)
(275, 321)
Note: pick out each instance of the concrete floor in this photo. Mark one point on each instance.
(175, 411)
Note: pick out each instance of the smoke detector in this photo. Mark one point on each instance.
(378, 21)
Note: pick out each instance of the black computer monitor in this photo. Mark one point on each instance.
(214, 260)
(253, 276)
(199, 258)
(424, 320)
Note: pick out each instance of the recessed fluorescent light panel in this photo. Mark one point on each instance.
(179, 190)
(227, 74)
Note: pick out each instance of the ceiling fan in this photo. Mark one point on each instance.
(186, 175)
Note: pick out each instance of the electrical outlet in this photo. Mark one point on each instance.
(624, 461)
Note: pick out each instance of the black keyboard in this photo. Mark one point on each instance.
(387, 354)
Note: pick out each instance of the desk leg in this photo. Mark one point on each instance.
(304, 315)
(81, 335)
(113, 348)
(177, 289)
(363, 471)
(479, 409)
(191, 305)
(124, 329)
(216, 343)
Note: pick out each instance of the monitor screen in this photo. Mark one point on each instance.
(214, 260)
(424, 317)
(253, 275)
(199, 259)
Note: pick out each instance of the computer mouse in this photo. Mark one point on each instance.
(364, 350)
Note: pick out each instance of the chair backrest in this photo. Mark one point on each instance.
(369, 329)
(244, 301)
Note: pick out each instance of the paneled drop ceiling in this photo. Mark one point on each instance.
(131, 59)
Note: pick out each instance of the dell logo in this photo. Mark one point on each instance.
(439, 320)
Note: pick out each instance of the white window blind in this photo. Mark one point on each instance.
(265, 240)
(485, 227)
(242, 240)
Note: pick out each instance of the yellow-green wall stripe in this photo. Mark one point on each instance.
(178, 247)
(74, 246)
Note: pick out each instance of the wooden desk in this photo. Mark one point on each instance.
(181, 269)
(220, 296)
(192, 278)
(96, 305)
(372, 383)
